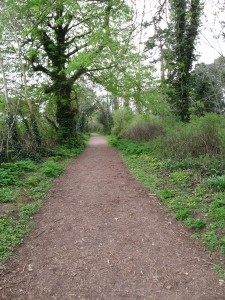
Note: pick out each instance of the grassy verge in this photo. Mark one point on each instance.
(192, 189)
(23, 186)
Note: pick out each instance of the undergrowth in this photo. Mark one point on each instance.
(193, 189)
(23, 186)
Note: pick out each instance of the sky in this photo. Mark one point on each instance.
(210, 44)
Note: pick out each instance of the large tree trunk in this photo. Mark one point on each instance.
(65, 114)
(184, 103)
(185, 23)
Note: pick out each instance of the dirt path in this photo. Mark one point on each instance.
(101, 236)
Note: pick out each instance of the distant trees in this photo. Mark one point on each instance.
(15, 80)
(176, 41)
(208, 87)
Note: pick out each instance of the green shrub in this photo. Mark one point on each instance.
(19, 166)
(222, 241)
(62, 152)
(144, 128)
(121, 120)
(143, 132)
(200, 137)
(219, 202)
(181, 164)
(51, 169)
(209, 165)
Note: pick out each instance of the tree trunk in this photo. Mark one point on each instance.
(12, 134)
(34, 126)
(65, 115)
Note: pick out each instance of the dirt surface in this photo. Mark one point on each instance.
(102, 236)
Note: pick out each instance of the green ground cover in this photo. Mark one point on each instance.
(193, 189)
(23, 187)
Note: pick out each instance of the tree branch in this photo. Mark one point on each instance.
(51, 122)
(78, 74)
(78, 37)
(48, 44)
(77, 24)
(76, 50)
(101, 68)
(39, 68)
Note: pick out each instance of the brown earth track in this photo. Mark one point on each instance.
(101, 236)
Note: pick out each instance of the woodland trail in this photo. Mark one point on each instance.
(102, 236)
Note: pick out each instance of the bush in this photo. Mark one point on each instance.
(137, 127)
(199, 137)
(121, 120)
(171, 138)
(144, 131)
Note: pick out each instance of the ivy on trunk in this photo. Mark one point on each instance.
(185, 19)
(74, 39)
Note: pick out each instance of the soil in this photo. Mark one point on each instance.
(102, 236)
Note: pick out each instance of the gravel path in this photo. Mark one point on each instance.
(102, 236)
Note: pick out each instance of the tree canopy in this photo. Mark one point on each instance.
(57, 56)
